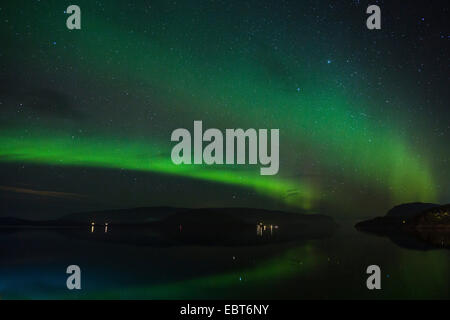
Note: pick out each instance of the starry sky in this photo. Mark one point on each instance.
(86, 115)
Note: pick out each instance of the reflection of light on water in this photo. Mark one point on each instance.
(258, 230)
(261, 228)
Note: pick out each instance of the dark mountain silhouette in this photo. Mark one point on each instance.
(148, 215)
(123, 216)
(11, 221)
(178, 226)
(408, 210)
(16, 222)
(413, 225)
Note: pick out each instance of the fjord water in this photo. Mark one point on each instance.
(33, 265)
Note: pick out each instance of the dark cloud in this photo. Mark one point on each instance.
(41, 100)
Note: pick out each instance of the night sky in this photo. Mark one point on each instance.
(86, 115)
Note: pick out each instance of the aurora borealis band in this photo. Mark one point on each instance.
(363, 115)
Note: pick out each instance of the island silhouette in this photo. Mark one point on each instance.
(414, 225)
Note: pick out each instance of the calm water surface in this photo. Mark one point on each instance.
(33, 264)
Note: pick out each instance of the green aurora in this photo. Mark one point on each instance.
(193, 67)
